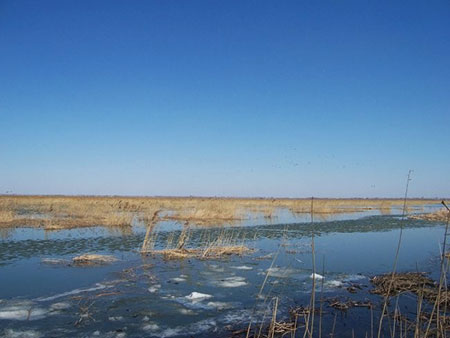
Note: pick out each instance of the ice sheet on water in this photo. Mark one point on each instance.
(232, 282)
(316, 276)
(221, 305)
(334, 283)
(186, 312)
(10, 333)
(98, 286)
(152, 327)
(154, 288)
(242, 267)
(279, 272)
(352, 278)
(207, 325)
(197, 296)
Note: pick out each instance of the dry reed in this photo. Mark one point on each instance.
(60, 212)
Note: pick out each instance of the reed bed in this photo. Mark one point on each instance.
(61, 212)
(93, 259)
(437, 216)
(226, 243)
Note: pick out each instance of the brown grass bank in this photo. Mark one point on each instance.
(437, 216)
(59, 212)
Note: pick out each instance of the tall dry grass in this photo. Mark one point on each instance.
(79, 211)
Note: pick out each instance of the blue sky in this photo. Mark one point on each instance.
(225, 98)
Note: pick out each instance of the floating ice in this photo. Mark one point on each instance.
(179, 279)
(280, 272)
(151, 327)
(98, 286)
(335, 283)
(242, 267)
(207, 325)
(354, 278)
(216, 268)
(23, 311)
(197, 296)
(233, 282)
(236, 316)
(188, 312)
(10, 333)
(59, 306)
(154, 288)
(171, 332)
(220, 305)
(316, 276)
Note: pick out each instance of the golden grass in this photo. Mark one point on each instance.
(226, 243)
(92, 259)
(437, 216)
(209, 253)
(60, 212)
(6, 216)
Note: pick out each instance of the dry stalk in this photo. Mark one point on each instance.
(394, 268)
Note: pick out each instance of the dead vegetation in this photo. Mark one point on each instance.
(437, 216)
(210, 253)
(61, 212)
(93, 259)
(226, 243)
(418, 283)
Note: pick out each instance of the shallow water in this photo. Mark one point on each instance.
(43, 294)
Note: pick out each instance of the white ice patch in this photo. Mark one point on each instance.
(316, 276)
(220, 305)
(197, 296)
(179, 279)
(171, 332)
(151, 327)
(154, 288)
(186, 312)
(23, 312)
(232, 282)
(334, 283)
(354, 278)
(279, 272)
(59, 306)
(236, 316)
(98, 286)
(216, 268)
(10, 333)
(27, 310)
(115, 319)
(242, 267)
(207, 325)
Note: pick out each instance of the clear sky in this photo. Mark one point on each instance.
(225, 98)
